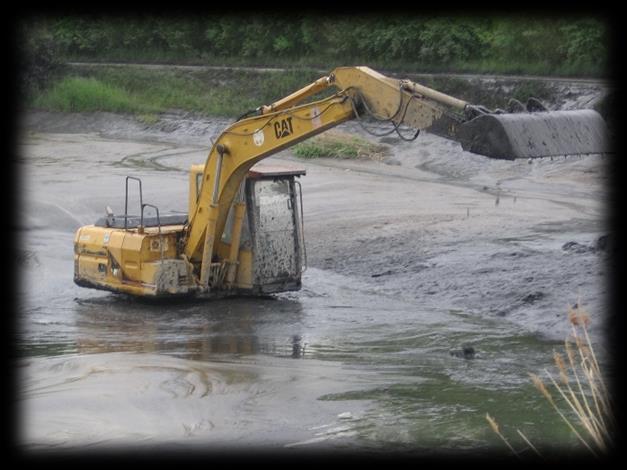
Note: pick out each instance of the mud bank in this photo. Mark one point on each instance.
(431, 223)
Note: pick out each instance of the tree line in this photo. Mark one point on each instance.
(449, 43)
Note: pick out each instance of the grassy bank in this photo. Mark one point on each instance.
(224, 92)
(75, 94)
(137, 90)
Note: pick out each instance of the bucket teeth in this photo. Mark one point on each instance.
(515, 106)
(534, 105)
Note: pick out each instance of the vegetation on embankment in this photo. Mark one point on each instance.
(303, 44)
(224, 92)
(523, 44)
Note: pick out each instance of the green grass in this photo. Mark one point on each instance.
(336, 144)
(127, 89)
(76, 94)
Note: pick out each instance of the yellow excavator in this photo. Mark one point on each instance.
(243, 234)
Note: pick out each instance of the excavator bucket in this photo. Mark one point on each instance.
(536, 134)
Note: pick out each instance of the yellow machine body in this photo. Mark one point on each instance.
(146, 260)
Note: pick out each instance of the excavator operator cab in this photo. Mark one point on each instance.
(271, 254)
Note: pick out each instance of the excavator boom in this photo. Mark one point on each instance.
(494, 134)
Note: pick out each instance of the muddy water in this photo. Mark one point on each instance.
(408, 260)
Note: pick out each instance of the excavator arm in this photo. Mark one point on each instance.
(363, 91)
(285, 123)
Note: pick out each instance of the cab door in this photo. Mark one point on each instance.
(275, 233)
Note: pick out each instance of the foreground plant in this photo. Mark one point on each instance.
(582, 388)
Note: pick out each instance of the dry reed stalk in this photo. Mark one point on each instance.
(543, 390)
(604, 395)
(586, 351)
(583, 411)
(592, 418)
(495, 427)
(582, 418)
(593, 415)
(528, 442)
